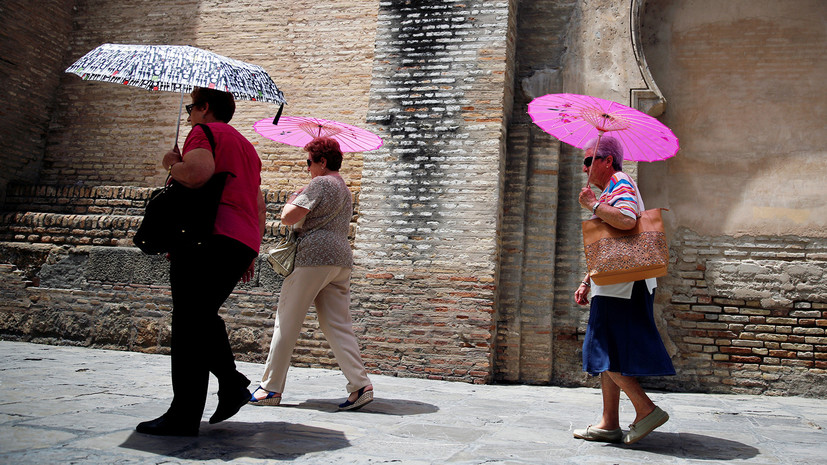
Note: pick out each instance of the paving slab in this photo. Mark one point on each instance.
(80, 406)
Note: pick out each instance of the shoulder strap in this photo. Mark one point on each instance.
(210, 137)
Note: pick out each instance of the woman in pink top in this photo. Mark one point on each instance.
(203, 276)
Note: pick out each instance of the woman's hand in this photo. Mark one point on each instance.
(172, 157)
(293, 196)
(581, 295)
(250, 273)
(587, 198)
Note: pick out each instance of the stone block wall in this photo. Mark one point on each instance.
(426, 277)
(115, 298)
(69, 275)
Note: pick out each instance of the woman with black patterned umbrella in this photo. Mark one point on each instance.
(203, 276)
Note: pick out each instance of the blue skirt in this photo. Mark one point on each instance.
(622, 337)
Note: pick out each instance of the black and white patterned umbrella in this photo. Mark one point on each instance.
(176, 68)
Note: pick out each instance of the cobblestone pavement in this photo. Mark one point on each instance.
(61, 405)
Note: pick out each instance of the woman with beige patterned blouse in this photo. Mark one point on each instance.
(321, 276)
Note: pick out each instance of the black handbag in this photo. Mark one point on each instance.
(179, 217)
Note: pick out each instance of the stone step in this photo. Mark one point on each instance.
(112, 230)
(99, 215)
(95, 200)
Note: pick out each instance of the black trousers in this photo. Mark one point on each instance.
(201, 280)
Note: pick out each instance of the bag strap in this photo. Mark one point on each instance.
(210, 137)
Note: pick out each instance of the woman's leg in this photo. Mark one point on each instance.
(333, 309)
(201, 280)
(642, 403)
(297, 293)
(611, 403)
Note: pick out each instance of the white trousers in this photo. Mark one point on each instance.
(328, 287)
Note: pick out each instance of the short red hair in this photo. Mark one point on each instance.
(327, 148)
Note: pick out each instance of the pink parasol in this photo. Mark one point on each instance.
(577, 119)
(299, 130)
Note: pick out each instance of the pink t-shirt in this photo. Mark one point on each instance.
(238, 211)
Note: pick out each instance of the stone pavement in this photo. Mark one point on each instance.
(74, 405)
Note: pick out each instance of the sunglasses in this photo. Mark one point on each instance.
(189, 108)
(587, 162)
(309, 162)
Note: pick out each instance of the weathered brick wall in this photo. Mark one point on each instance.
(426, 246)
(468, 246)
(116, 298)
(747, 314)
(319, 55)
(528, 250)
(32, 38)
(744, 304)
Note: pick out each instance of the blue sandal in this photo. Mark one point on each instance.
(272, 399)
(363, 398)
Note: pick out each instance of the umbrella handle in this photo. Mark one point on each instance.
(594, 154)
(180, 109)
(278, 115)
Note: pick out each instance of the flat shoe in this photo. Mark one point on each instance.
(363, 398)
(639, 430)
(163, 426)
(229, 405)
(596, 434)
(272, 399)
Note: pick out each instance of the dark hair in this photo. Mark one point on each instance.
(608, 147)
(327, 148)
(222, 104)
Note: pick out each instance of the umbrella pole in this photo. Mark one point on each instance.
(594, 158)
(178, 126)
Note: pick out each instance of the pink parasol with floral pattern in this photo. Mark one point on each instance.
(577, 119)
(299, 130)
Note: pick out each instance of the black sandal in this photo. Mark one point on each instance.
(363, 397)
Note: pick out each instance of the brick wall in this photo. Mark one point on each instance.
(743, 305)
(468, 240)
(319, 55)
(525, 341)
(426, 246)
(746, 314)
(32, 38)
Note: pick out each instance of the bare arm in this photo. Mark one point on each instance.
(292, 214)
(611, 215)
(193, 170)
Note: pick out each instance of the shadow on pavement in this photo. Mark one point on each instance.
(694, 446)
(380, 406)
(231, 440)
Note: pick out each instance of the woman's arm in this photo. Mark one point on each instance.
(605, 212)
(193, 170)
(582, 292)
(292, 214)
(614, 217)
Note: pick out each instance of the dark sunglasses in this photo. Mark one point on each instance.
(309, 162)
(587, 162)
(189, 108)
